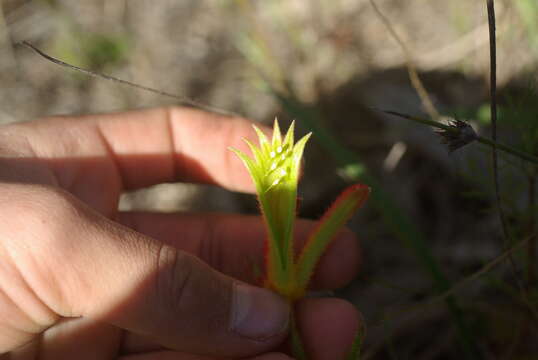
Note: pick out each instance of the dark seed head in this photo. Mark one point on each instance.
(459, 135)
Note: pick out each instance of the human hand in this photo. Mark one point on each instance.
(80, 279)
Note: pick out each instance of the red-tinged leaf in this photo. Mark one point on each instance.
(355, 350)
(329, 225)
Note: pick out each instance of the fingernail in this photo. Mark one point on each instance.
(258, 313)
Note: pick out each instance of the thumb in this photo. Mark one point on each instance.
(184, 304)
(104, 271)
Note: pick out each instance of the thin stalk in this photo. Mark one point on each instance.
(411, 68)
(531, 250)
(183, 100)
(486, 269)
(493, 111)
(507, 149)
(296, 344)
(510, 150)
(260, 38)
(465, 282)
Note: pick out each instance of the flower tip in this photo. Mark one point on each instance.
(360, 191)
(262, 139)
(277, 135)
(306, 137)
(292, 126)
(237, 152)
(362, 187)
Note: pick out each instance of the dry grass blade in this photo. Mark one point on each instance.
(185, 101)
(400, 310)
(411, 68)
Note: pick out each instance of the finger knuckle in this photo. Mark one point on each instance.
(38, 228)
(50, 211)
(186, 286)
(174, 271)
(39, 211)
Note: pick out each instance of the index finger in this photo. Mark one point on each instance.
(192, 144)
(155, 146)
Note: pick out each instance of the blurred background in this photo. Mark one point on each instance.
(435, 281)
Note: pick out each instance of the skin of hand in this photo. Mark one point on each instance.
(81, 279)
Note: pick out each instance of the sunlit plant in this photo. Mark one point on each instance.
(275, 169)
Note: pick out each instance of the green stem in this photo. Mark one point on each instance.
(508, 149)
(296, 344)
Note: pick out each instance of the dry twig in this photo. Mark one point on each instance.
(183, 100)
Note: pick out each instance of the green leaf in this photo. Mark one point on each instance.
(264, 143)
(299, 148)
(252, 167)
(258, 155)
(333, 220)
